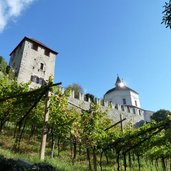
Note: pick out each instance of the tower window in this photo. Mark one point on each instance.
(122, 107)
(37, 79)
(33, 78)
(35, 46)
(41, 81)
(47, 52)
(124, 101)
(41, 66)
(135, 103)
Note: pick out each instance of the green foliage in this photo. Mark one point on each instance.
(3, 65)
(59, 120)
(76, 88)
(10, 72)
(167, 14)
(160, 115)
(93, 124)
(86, 133)
(90, 96)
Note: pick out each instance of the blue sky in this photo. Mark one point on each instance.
(96, 40)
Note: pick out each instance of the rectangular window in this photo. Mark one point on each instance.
(122, 108)
(41, 66)
(41, 81)
(33, 78)
(47, 52)
(35, 46)
(139, 112)
(135, 103)
(128, 109)
(134, 110)
(124, 101)
(37, 80)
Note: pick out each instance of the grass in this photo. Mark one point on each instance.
(30, 152)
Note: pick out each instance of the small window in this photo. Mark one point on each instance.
(128, 109)
(122, 108)
(41, 81)
(41, 66)
(135, 103)
(37, 80)
(35, 46)
(47, 52)
(124, 101)
(134, 110)
(33, 78)
(139, 112)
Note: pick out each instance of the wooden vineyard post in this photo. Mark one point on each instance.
(121, 123)
(45, 127)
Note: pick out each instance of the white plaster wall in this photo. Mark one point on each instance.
(135, 97)
(117, 96)
(147, 115)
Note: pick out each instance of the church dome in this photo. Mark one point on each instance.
(121, 94)
(120, 85)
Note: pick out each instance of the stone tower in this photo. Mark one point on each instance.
(32, 61)
(123, 95)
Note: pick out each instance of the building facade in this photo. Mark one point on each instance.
(123, 95)
(32, 61)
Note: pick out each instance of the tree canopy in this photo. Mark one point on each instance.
(76, 88)
(167, 14)
(161, 115)
(3, 65)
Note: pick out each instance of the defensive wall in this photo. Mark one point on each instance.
(133, 115)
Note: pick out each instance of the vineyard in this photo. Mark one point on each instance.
(77, 136)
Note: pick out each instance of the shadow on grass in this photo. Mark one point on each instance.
(22, 165)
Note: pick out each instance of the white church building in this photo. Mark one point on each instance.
(123, 95)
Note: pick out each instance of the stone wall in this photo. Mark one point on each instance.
(133, 115)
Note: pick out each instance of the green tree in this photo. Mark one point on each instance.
(93, 124)
(90, 96)
(3, 65)
(10, 72)
(76, 88)
(161, 115)
(167, 14)
(59, 119)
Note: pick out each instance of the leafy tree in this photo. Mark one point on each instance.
(167, 14)
(161, 115)
(3, 65)
(10, 72)
(59, 119)
(93, 124)
(76, 88)
(90, 96)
